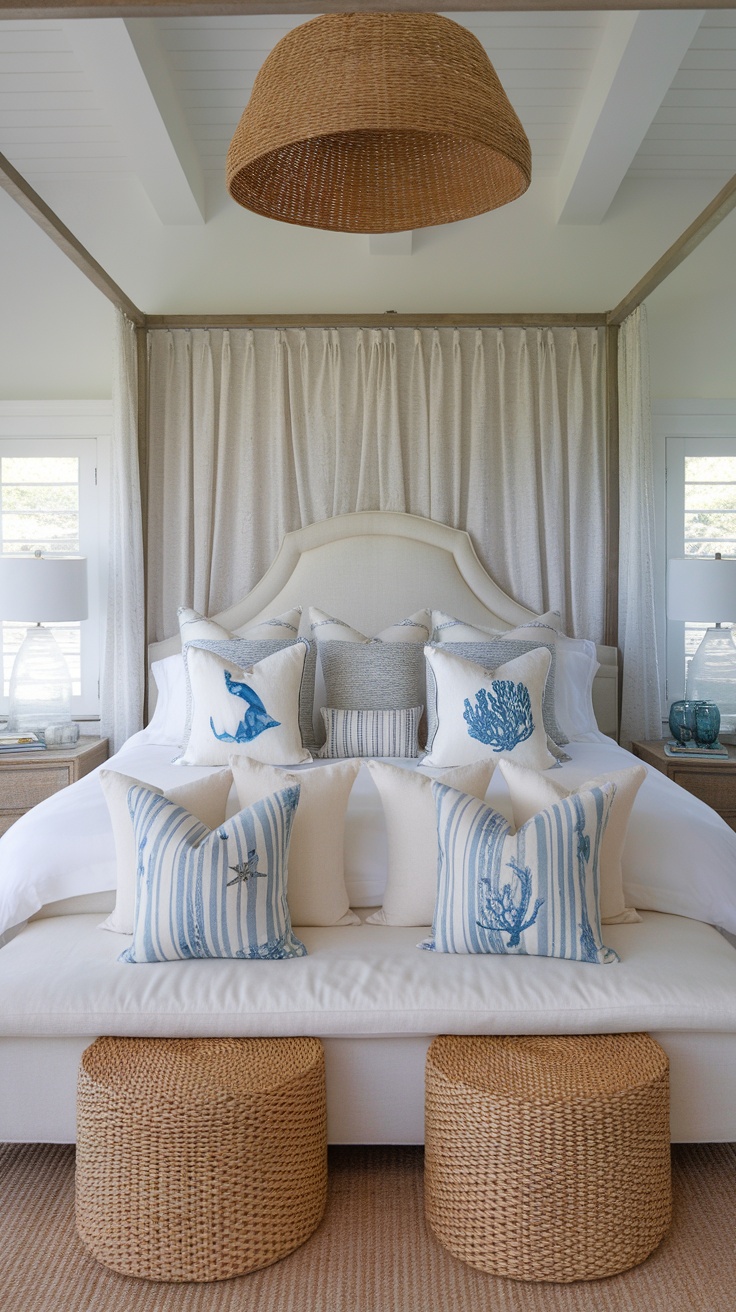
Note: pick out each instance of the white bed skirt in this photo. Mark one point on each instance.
(375, 1088)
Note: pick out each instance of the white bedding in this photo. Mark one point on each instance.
(680, 856)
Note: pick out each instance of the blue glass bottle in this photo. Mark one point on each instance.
(682, 721)
(707, 723)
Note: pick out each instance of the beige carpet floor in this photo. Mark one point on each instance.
(372, 1253)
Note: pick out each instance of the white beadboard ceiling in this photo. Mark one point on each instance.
(602, 96)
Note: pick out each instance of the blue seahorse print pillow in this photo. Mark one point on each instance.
(212, 893)
(535, 892)
(253, 709)
(481, 713)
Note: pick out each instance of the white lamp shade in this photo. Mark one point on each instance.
(43, 589)
(701, 589)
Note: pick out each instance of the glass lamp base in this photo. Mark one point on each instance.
(711, 675)
(40, 684)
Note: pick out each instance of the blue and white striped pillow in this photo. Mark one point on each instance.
(370, 733)
(212, 893)
(534, 892)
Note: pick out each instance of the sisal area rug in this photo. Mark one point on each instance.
(372, 1253)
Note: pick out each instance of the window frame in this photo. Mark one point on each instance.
(679, 428)
(77, 428)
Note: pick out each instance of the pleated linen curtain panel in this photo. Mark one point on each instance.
(641, 712)
(256, 432)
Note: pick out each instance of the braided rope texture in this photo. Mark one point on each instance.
(377, 122)
(199, 1159)
(548, 1157)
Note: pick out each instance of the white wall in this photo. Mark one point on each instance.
(692, 323)
(56, 329)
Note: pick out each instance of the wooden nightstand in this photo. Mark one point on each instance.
(713, 782)
(27, 778)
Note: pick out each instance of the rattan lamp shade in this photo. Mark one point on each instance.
(377, 122)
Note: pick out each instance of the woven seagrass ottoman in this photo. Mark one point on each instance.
(548, 1158)
(199, 1159)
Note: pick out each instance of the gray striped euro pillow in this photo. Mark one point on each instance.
(370, 733)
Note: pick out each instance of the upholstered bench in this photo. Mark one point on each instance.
(548, 1157)
(199, 1159)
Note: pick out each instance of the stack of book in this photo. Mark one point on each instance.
(21, 742)
(717, 752)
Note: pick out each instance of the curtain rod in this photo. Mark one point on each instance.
(391, 319)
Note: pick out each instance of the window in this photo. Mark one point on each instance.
(51, 485)
(695, 456)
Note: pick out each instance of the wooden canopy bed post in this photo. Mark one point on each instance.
(141, 341)
(610, 631)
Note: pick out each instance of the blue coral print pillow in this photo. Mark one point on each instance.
(530, 893)
(480, 713)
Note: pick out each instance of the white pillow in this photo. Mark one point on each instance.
(489, 712)
(218, 893)
(257, 706)
(411, 828)
(529, 893)
(206, 799)
(577, 666)
(531, 792)
(415, 628)
(316, 877)
(194, 627)
(445, 628)
(168, 723)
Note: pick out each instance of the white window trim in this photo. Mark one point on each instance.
(60, 420)
(688, 419)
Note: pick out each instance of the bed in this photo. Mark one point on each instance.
(365, 989)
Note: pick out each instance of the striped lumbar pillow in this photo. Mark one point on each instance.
(534, 892)
(370, 733)
(212, 893)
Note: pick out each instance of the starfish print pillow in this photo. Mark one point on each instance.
(533, 892)
(212, 892)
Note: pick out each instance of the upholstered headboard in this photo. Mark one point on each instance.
(372, 568)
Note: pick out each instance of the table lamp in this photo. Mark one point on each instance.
(41, 588)
(699, 588)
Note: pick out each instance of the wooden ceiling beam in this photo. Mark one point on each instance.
(713, 214)
(23, 9)
(37, 209)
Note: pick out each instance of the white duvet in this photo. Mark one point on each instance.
(680, 856)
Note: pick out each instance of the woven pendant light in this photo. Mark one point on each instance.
(377, 122)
